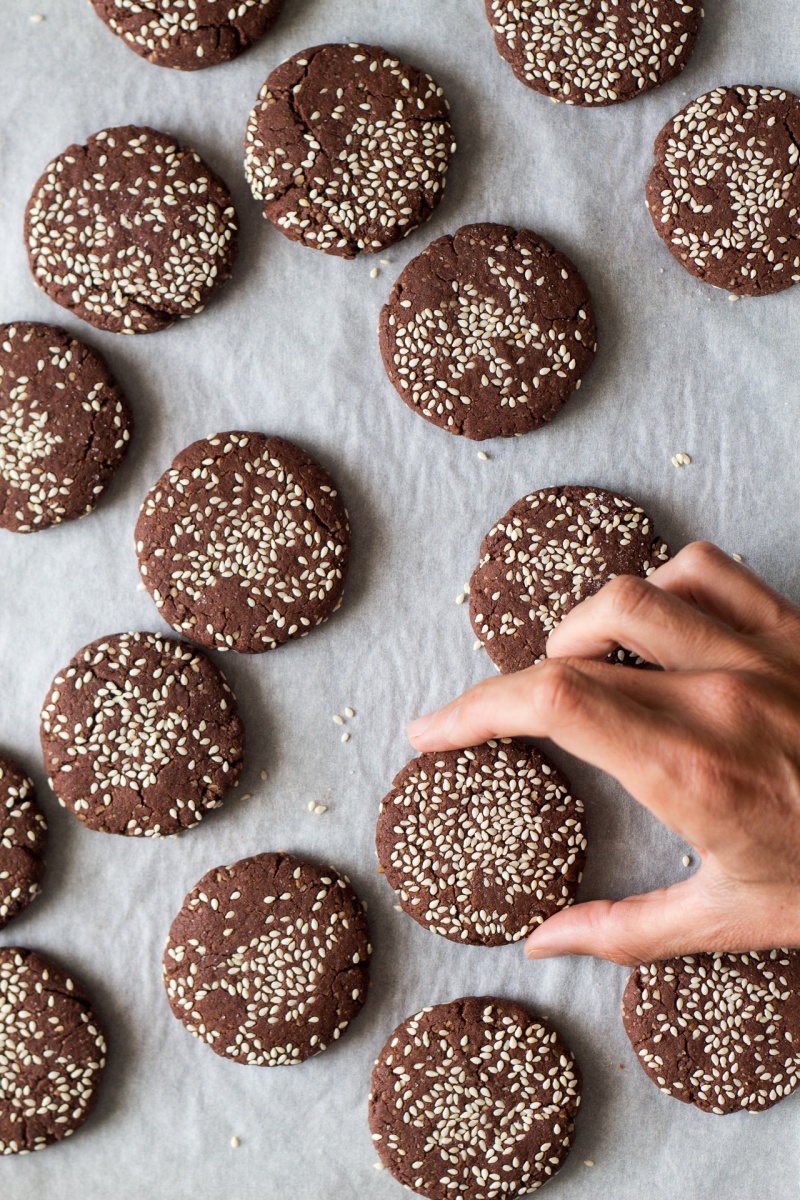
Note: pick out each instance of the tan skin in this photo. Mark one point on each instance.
(710, 745)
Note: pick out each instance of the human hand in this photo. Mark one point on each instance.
(710, 745)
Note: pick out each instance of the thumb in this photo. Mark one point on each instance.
(667, 923)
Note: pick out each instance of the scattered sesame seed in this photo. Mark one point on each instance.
(345, 736)
(477, 646)
(350, 712)
(483, 456)
(733, 299)
(312, 805)
(379, 1166)
(374, 273)
(397, 907)
(320, 809)
(235, 1142)
(588, 1162)
(337, 720)
(385, 262)
(36, 18)
(687, 862)
(737, 558)
(247, 796)
(140, 587)
(461, 597)
(264, 775)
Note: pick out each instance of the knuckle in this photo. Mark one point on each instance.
(700, 555)
(627, 594)
(559, 687)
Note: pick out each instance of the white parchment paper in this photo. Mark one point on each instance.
(290, 348)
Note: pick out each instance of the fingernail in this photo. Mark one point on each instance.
(419, 726)
(533, 949)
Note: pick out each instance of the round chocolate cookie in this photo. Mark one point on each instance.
(720, 1031)
(243, 543)
(130, 231)
(551, 550)
(488, 332)
(52, 1053)
(475, 1098)
(481, 845)
(268, 959)
(595, 52)
(187, 37)
(347, 148)
(140, 735)
(64, 427)
(23, 840)
(724, 193)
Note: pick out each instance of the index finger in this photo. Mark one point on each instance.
(586, 717)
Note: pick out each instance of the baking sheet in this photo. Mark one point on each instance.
(290, 348)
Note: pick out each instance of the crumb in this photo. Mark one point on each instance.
(380, 871)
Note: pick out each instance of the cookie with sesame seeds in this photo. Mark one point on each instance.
(724, 194)
(481, 845)
(52, 1052)
(720, 1031)
(200, 34)
(347, 148)
(475, 1098)
(64, 427)
(141, 736)
(23, 840)
(595, 52)
(268, 959)
(488, 332)
(244, 542)
(130, 231)
(551, 550)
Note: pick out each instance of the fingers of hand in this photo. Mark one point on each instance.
(703, 575)
(585, 716)
(649, 621)
(641, 929)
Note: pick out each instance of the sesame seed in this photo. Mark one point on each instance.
(337, 720)
(686, 860)
(374, 273)
(737, 558)
(483, 456)
(588, 1162)
(235, 1143)
(345, 737)
(350, 712)
(264, 776)
(461, 597)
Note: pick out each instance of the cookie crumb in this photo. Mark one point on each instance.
(350, 712)
(337, 720)
(621, 1066)
(461, 597)
(737, 558)
(374, 273)
(235, 1141)
(380, 871)
(687, 862)
(483, 456)
(345, 737)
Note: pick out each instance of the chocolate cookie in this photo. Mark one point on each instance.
(140, 735)
(724, 193)
(268, 959)
(64, 427)
(551, 550)
(475, 1098)
(347, 148)
(23, 839)
(720, 1031)
(481, 845)
(130, 231)
(595, 52)
(488, 332)
(187, 37)
(52, 1053)
(243, 543)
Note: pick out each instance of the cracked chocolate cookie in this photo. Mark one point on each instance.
(141, 736)
(23, 840)
(595, 52)
(481, 845)
(188, 37)
(347, 148)
(551, 550)
(476, 1098)
(268, 959)
(52, 1052)
(720, 1031)
(131, 231)
(488, 332)
(724, 193)
(243, 543)
(64, 427)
